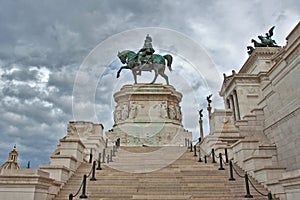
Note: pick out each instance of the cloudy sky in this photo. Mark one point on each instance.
(44, 45)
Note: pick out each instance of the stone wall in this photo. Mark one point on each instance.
(26, 184)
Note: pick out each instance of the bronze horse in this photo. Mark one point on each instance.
(157, 64)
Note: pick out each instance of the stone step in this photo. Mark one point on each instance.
(194, 188)
(185, 178)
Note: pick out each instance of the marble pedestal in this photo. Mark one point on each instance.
(148, 114)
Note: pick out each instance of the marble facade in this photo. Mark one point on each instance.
(262, 104)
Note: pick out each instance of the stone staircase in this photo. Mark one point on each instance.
(158, 173)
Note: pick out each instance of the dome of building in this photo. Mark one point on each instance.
(12, 162)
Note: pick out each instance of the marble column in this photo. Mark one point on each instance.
(232, 106)
(228, 103)
(236, 103)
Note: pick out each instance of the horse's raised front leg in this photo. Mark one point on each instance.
(119, 71)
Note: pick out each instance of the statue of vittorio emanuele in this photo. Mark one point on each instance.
(145, 60)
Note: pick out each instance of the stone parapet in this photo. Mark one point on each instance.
(25, 184)
(59, 173)
(72, 147)
(89, 134)
(68, 161)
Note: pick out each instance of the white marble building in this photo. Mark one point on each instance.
(261, 123)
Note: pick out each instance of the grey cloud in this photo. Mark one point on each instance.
(63, 79)
(20, 91)
(21, 75)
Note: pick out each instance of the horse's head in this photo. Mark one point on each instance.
(122, 56)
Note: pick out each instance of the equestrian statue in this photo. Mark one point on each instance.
(145, 60)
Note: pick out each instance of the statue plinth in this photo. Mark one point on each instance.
(148, 114)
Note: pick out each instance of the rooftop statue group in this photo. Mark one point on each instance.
(145, 60)
(266, 41)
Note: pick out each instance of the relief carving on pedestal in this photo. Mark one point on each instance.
(178, 113)
(121, 113)
(80, 128)
(71, 130)
(87, 129)
(125, 111)
(172, 112)
(163, 110)
(133, 110)
(117, 114)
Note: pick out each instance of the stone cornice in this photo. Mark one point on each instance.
(149, 89)
(76, 123)
(72, 140)
(258, 53)
(241, 78)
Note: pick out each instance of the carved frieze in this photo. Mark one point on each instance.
(147, 103)
(133, 110)
(163, 110)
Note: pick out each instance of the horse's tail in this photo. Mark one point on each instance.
(169, 59)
